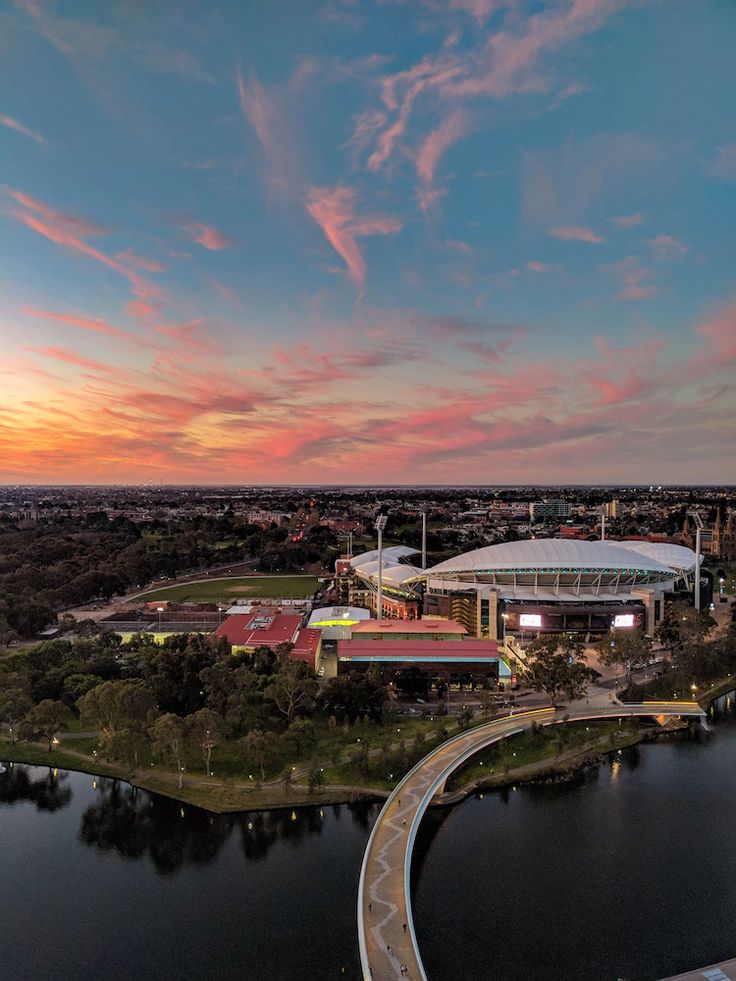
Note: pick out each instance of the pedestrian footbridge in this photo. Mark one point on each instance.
(385, 928)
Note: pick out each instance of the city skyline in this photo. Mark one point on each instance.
(476, 242)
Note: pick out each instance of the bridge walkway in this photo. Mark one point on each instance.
(386, 935)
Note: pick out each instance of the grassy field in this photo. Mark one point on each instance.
(271, 587)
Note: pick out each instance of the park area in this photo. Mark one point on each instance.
(244, 587)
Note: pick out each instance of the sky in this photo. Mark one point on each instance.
(368, 241)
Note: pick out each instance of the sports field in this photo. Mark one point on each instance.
(246, 587)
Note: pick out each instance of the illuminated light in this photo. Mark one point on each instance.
(250, 826)
(293, 815)
(94, 785)
(530, 620)
(623, 620)
(321, 813)
(181, 811)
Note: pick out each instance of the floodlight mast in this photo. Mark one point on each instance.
(424, 538)
(380, 525)
(698, 528)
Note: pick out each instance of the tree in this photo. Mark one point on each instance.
(315, 778)
(464, 718)
(293, 689)
(557, 668)
(301, 736)
(488, 704)
(207, 729)
(258, 748)
(169, 734)
(352, 695)
(628, 648)
(47, 718)
(14, 704)
(123, 710)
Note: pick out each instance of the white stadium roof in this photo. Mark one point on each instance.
(550, 554)
(391, 555)
(548, 568)
(677, 557)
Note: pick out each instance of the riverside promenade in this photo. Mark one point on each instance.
(386, 934)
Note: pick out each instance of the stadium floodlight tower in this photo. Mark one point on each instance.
(424, 538)
(698, 528)
(380, 525)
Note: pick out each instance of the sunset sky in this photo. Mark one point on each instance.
(368, 241)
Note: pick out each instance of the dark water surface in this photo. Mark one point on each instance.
(628, 872)
(101, 881)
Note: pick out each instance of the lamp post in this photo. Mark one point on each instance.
(160, 611)
(380, 525)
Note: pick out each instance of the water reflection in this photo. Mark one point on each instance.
(136, 824)
(47, 789)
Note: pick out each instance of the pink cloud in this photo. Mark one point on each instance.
(540, 267)
(667, 248)
(509, 57)
(142, 309)
(74, 358)
(720, 333)
(576, 233)
(333, 209)
(628, 221)
(70, 232)
(20, 128)
(723, 164)
(633, 277)
(140, 262)
(85, 323)
(205, 235)
(435, 144)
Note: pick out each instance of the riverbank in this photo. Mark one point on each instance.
(563, 765)
(217, 796)
(221, 796)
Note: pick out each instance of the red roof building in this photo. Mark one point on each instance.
(455, 655)
(258, 629)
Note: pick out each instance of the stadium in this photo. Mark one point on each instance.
(556, 585)
(529, 587)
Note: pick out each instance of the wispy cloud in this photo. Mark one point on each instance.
(628, 221)
(576, 233)
(20, 128)
(435, 144)
(96, 325)
(723, 165)
(333, 208)
(667, 248)
(206, 235)
(70, 232)
(634, 280)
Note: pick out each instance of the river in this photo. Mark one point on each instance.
(626, 872)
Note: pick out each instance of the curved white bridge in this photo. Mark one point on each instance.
(385, 927)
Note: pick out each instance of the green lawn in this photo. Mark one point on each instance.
(271, 587)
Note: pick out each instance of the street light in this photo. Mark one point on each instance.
(160, 611)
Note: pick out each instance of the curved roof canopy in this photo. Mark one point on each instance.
(391, 555)
(677, 557)
(554, 566)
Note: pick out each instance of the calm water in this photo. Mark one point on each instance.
(110, 882)
(629, 872)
